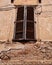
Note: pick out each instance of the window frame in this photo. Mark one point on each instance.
(24, 28)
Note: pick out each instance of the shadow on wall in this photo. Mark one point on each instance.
(12, 1)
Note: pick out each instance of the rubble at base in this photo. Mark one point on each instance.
(29, 53)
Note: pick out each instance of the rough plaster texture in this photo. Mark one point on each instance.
(43, 21)
(5, 2)
(6, 24)
(45, 28)
(31, 53)
(46, 1)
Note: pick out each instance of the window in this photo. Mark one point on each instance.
(24, 25)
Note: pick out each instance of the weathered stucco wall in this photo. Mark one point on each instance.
(4, 2)
(43, 21)
(6, 24)
(7, 18)
(15, 53)
(46, 1)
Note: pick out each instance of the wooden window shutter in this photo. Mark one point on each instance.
(19, 24)
(24, 25)
(30, 23)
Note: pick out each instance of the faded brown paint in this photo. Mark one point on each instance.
(43, 21)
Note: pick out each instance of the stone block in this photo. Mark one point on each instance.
(25, 2)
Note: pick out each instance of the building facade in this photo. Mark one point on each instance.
(42, 19)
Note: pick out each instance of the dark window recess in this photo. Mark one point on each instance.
(20, 13)
(19, 24)
(30, 13)
(39, 1)
(24, 25)
(12, 1)
(30, 23)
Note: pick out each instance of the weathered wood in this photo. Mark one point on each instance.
(25, 22)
